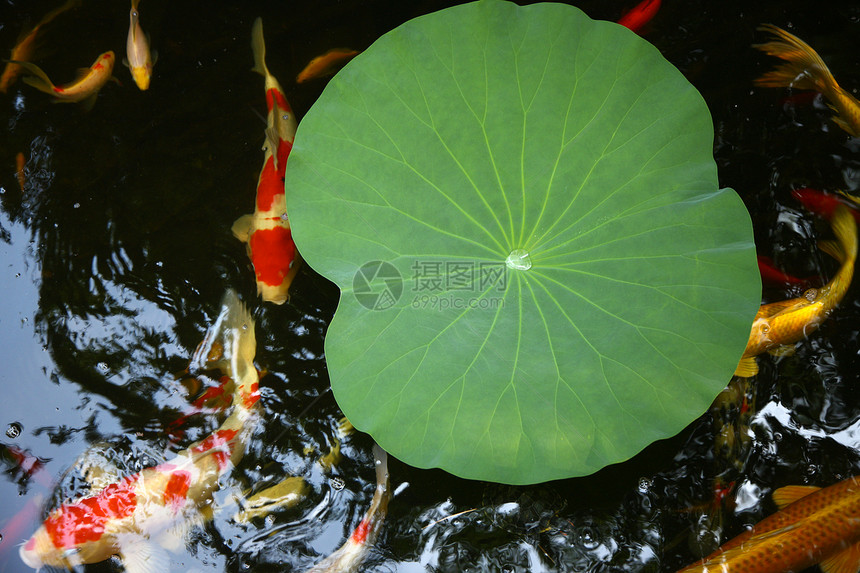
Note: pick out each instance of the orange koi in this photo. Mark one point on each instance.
(813, 526)
(126, 517)
(771, 274)
(805, 70)
(640, 15)
(84, 88)
(267, 231)
(139, 60)
(326, 64)
(20, 170)
(352, 554)
(778, 325)
(23, 50)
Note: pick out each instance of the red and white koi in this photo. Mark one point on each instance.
(132, 516)
(352, 553)
(267, 231)
(139, 59)
(84, 88)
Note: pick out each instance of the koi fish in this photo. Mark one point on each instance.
(778, 325)
(326, 64)
(640, 15)
(771, 274)
(21, 170)
(825, 204)
(129, 517)
(23, 50)
(813, 526)
(84, 88)
(267, 231)
(352, 553)
(139, 59)
(805, 70)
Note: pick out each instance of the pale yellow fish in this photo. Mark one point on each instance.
(83, 89)
(139, 59)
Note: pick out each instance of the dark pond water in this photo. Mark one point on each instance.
(115, 254)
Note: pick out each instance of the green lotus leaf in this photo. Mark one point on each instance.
(539, 274)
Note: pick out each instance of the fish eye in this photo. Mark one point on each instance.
(765, 328)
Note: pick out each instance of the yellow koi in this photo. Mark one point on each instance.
(813, 526)
(780, 324)
(23, 50)
(139, 60)
(805, 70)
(84, 88)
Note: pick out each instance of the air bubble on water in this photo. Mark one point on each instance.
(14, 430)
(103, 367)
(519, 260)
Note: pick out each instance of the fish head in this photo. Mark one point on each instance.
(43, 549)
(141, 75)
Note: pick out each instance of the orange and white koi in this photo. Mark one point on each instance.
(127, 517)
(267, 231)
(139, 59)
(778, 325)
(813, 526)
(805, 70)
(23, 50)
(326, 64)
(84, 88)
(352, 553)
(640, 15)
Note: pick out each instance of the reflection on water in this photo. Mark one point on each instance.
(116, 250)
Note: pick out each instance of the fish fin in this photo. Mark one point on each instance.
(242, 227)
(88, 103)
(38, 78)
(782, 350)
(747, 367)
(832, 248)
(847, 561)
(804, 69)
(258, 45)
(845, 228)
(153, 54)
(140, 555)
(787, 495)
(125, 63)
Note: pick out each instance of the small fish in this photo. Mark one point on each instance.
(805, 70)
(813, 526)
(132, 517)
(84, 88)
(351, 554)
(772, 275)
(139, 60)
(778, 325)
(267, 231)
(326, 64)
(21, 170)
(640, 15)
(23, 50)
(825, 204)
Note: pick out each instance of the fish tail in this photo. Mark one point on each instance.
(845, 229)
(804, 69)
(38, 78)
(59, 10)
(258, 44)
(239, 328)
